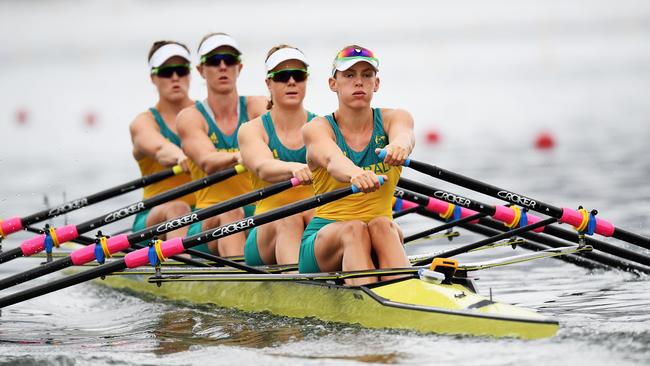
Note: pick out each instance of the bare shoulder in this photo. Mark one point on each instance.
(251, 127)
(143, 120)
(390, 114)
(256, 105)
(189, 116)
(317, 126)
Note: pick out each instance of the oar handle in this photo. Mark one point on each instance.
(382, 155)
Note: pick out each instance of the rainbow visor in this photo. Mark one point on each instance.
(350, 56)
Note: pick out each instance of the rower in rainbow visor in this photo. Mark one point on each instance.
(156, 146)
(208, 131)
(273, 151)
(356, 232)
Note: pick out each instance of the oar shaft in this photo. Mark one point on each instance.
(502, 211)
(19, 223)
(480, 243)
(177, 246)
(565, 215)
(69, 232)
(156, 200)
(125, 243)
(443, 227)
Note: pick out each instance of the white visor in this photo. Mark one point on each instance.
(166, 52)
(216, 41)
(348, 63)
(284, 54)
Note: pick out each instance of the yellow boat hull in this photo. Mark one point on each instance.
(410, 304)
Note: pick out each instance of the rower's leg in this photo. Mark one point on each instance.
(168, 211)
(345, 245)
(387, 244)
(266, 239)
(287, 241)
(232, 245)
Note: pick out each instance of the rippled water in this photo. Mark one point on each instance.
(487, 76)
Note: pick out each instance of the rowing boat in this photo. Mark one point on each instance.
(409, 303)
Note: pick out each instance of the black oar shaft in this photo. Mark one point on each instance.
(515, 198)
(162, 228)
(484, 242)
(443, 227)
(208, 236)
(483, 207)
(156, 200)
(97, 197)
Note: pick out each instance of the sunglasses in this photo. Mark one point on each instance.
(169, 70)
(283, 76)
(215, 59)
(355, 52)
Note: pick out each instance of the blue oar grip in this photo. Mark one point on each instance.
(356, 190)
(382, 155)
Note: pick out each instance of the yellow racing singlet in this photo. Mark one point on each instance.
(231, 187)
(283, 153)
(150, 166)
(360, 206)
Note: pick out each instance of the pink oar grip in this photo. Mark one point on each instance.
(574, 218)
(140, 257)
(437, 206)
(408, 204)
(441, 207)
(33, 245)
(507, 214)
(465, 212)
(12, 225)
(87, 254)
(37, 243)
(295, 182)
(66, 233)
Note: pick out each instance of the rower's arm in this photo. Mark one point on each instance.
(148, 141)
(398, 124)
(197, 145)
(323, 152)
(258, 158)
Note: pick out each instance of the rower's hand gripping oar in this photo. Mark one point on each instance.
(122, 242)
(175, 246)
(583, 221)
(55, 237)
(15, 224)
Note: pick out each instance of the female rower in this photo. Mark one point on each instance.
(209, 130)
(342, 150)
(273, 151)
(153, 133)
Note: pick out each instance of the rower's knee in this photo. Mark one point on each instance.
(177, 208)
(355, 233)
(381, 226)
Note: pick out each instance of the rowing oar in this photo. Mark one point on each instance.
(538, 242)
(510, 216)
(582, 220)
(18, 223)
(123, 242)
(155, 254)
(69, 232)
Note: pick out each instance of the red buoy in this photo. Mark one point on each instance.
(21, 116)
(432, 137)
(90, 119)
(544, 141)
